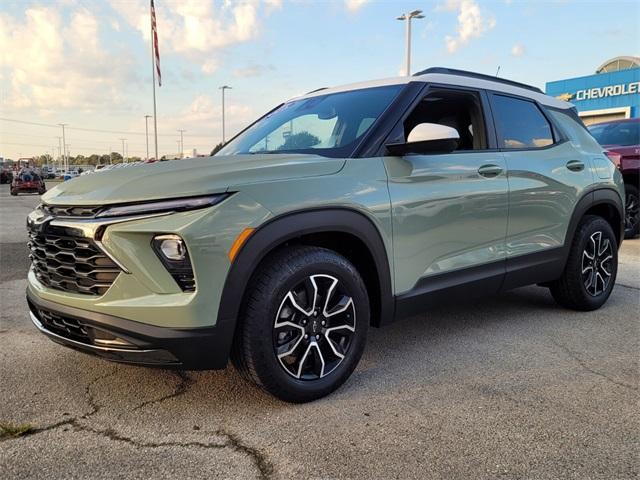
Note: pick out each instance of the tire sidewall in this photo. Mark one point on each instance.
(270, 369)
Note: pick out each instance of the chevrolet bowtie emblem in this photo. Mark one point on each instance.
(565, 96)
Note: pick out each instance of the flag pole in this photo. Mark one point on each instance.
(153, 81)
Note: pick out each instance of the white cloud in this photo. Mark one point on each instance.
(56, 64)
(253, 71)
(198, 29)
(518, 50)
(472, 22)
(355, 5)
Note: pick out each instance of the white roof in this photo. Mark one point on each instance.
(447, 79)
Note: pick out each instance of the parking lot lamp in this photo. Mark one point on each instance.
(407, 18)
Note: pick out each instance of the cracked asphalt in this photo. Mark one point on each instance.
(511, 386)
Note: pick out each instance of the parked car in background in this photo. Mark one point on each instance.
(70, 174)
(6, 175)
(48, 172)
(621, 139)
(339, 210)
(27, 181)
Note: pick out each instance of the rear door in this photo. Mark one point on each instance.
(449, 210)
(547, 176)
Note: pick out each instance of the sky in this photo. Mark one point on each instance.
(87, 63)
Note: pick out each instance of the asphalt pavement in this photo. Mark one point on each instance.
(510, 386)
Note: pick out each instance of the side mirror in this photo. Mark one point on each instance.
(427, 138)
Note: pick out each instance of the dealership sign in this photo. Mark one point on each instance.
(602, 92)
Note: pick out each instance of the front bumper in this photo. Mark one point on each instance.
(121, 340)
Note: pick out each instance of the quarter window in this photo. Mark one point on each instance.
(520, 124)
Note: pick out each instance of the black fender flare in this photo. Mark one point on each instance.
(290, 226)
(593, 198)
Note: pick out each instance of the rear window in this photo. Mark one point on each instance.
(520, 124)
(622, 134)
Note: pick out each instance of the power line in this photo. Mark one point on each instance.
(83, 129)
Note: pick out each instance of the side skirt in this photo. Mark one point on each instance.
(483, 280)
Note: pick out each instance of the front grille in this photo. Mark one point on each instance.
(64, 326)
(71, 264)
(60, 211)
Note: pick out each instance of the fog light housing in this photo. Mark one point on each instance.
(172, 252)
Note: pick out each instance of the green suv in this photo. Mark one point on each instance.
(341, 209)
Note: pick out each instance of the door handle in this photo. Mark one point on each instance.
(490, 170)
(575, 165)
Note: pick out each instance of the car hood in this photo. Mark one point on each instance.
(184, 178)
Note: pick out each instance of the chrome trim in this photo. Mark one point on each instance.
(49, 333)
(98, 244)
(89, 226)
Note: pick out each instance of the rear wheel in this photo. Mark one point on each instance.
(590, 272)
(304, 325)
(631, 211)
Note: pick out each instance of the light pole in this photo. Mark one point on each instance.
(64, 144)
(123, 140)
(181, 143)
(60, 150)
(407, 18)
(146, 131)
(223, 88)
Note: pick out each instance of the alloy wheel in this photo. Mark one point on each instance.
(631, 212)
(597, 264)
(314, 327)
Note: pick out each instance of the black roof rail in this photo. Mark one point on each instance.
(316, 90)
(480, 76)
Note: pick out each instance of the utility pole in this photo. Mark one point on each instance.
(146, 132)
(407, 18)
(64, 144)
(223, 88)
(59, 150)
(181, 142)
(178, 142)
(123, 154)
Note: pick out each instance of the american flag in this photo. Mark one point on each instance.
(154, 31)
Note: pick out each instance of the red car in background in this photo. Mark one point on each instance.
(27, 181)
(621, 139)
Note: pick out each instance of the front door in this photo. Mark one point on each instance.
(449, 210)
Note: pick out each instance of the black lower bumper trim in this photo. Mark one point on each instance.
(138, 343)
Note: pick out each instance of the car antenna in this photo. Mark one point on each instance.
(498, 70)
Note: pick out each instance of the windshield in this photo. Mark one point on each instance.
(622, 134)
(328, 125)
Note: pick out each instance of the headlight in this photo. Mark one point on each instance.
(177, 205)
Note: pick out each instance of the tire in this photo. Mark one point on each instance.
(303, 369)
(14, 192)
(632, 211)
(576, 289)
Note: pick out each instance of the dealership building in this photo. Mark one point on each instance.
(613, 92)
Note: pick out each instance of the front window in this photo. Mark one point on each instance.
(328, 125)
(622, 134)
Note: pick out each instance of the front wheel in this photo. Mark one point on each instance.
(304, 325)
(631, 211)
(591, 269)
(14, 192)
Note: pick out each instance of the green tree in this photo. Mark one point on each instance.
(217, 148)
(299, 140)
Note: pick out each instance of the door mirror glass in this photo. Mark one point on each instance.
(427, 138)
